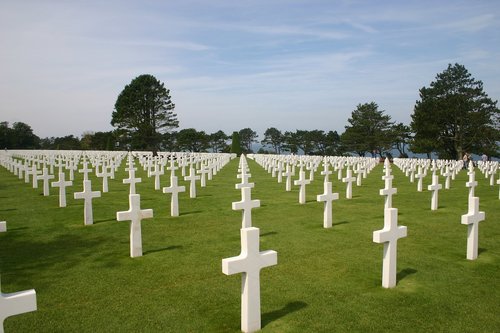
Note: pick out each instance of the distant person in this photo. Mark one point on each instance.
(465, 159)
(484, 158)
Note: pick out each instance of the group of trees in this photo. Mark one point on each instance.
(453, 116)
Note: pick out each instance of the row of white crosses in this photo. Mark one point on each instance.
(280, 166)
(251, 260)
(473, 216)
(391, 232)
(16, 303)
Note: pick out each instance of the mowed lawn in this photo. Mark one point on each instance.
(326, 280)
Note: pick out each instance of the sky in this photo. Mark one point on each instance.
(236, 64)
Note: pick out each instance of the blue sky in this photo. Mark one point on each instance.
(236, 64)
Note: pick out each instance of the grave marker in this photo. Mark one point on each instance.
(134, 214)
(250, 262)
(327, 197)
(87, 195)
(16, 303)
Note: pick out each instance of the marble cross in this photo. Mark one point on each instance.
(62, 184)
(434, 187)
(45, 177)
(135, 214)
(388, 190)
(16, 303)
(131, 180)
(85, 170)
(250, 261)
(288, 174)
(87, 195)
(472, 219)
(302, 182)
(246, 204)
(389, 235)
(192, 182)
(349, 179)
(327, 197)
(175, 189)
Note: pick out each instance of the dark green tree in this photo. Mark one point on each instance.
(247, 137)
(190, 139)
(6, 135)
(274, 138)
(144, 111)
(400, 135)
(291, 142)
(236, 144)
(23, 136)
(368, 130)
(454, 115)
(218, 141)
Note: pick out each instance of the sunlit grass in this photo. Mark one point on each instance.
(326, 280)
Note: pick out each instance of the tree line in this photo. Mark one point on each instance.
(453, 116)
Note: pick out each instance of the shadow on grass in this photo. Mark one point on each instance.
(104, 220)
(268, 233)
(269, 317)
(339, 223)
(404, 273)
(8, 209)
(191, 212)
(173, 247)
(481, 250)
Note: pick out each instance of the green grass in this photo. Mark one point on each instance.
(326, 280)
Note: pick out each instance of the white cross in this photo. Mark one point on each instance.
(131, 180)
(192, 179)
(326, 172)
(175, 190)
(157, 173)
(389, 235)
(246, 204)
(447, 174)
(85, 170)
(280, 172)
(172, 167)
(472, 219)
(16, 303)
(327, 197)
(434, 187)
(87, 195)
(244, 181)
(302, 182)
(420, 175)
(388, 190)
(34, 173)
(288, 174)
(45, 177)
(3, 226)
(250, 261)
(203, 171)
(134, 214)
(62, 184)
(472, 183)
(349, 179)
(498, 183)
(104, 174)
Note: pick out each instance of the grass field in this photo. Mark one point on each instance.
(326, 280)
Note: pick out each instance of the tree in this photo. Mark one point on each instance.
(454, 115)
(247, 137)
(218, 141)
(190, 139)
(235, 144)
(368, 130)
(274, 138)
(5, 135)
(291, 142)
(144, 111)
(23, 137)
(400, 136)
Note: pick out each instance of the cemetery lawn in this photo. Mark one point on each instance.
(326, 280)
